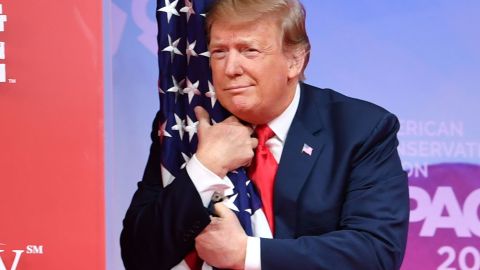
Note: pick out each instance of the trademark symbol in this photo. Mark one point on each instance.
(34, 249)
(12, 80)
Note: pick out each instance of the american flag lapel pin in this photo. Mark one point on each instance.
(307, 149)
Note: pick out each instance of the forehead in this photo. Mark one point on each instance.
(259, 31)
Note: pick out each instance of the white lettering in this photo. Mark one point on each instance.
(2, 50)
(444, 199)
(444, 212)
(462, 258)
(431, 128)
(449, 260)
(416, 169)
(423, 202)
(3, 19)
(462, 261)
(439, 149)
(3, 73)
(32, 249)
(470, 211)
(18, 254)
(3, 69)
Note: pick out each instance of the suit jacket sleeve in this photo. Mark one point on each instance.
(162, 222)
(373, 222)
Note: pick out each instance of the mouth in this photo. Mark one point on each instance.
(237, 88)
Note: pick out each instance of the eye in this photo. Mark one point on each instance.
(250, 52)
(218, 53)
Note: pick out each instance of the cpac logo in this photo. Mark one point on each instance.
(443, 211)
(30, 249)
(3, 19)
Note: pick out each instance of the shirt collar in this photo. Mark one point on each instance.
(281, 124)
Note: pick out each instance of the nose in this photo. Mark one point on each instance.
(233, 66)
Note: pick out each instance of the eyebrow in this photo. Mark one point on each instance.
(242, 41)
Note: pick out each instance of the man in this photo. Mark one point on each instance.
(340, 196)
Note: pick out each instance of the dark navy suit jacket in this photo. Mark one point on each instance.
(345, 206)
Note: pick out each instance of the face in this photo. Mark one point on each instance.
(253, 77)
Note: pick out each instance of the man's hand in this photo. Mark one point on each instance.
(225, 146)
(223, 243)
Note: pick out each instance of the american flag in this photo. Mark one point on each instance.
(307, 149)
(185, 82)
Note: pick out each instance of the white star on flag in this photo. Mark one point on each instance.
(230, 203)
(160, 88)
(191, 50)
(161, 91)
(186, 158)
(191, 90)
(172, 48)
(170, 9)
(211, 94)
(188, 8)
(191, 128)
(175, 88)
(307, 149)
(179, 126)
(162, 132)
(167, 177)
(206, 54)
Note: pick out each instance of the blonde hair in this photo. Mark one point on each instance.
(290, 14)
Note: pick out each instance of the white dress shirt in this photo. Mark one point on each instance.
(207, 182)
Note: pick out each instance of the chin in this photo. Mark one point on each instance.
(236, 104)
(250, 116)
(243, 108)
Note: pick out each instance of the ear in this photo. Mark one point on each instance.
(295, 62)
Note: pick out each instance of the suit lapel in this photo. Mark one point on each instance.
(295, 164)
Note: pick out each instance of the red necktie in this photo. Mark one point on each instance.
(262, 171)
(193, 260)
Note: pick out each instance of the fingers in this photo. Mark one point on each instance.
(202, 116)
(234, 120)
(214, 220)
(231, 119)
(222, 211)
(254, 142)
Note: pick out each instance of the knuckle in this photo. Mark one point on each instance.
(246, 129)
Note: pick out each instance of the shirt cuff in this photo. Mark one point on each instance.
(252, 258)
(206, 182)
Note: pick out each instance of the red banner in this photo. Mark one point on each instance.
(51, 135)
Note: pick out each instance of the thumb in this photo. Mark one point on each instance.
(231, 119)
(202, 116)
(222, 211)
